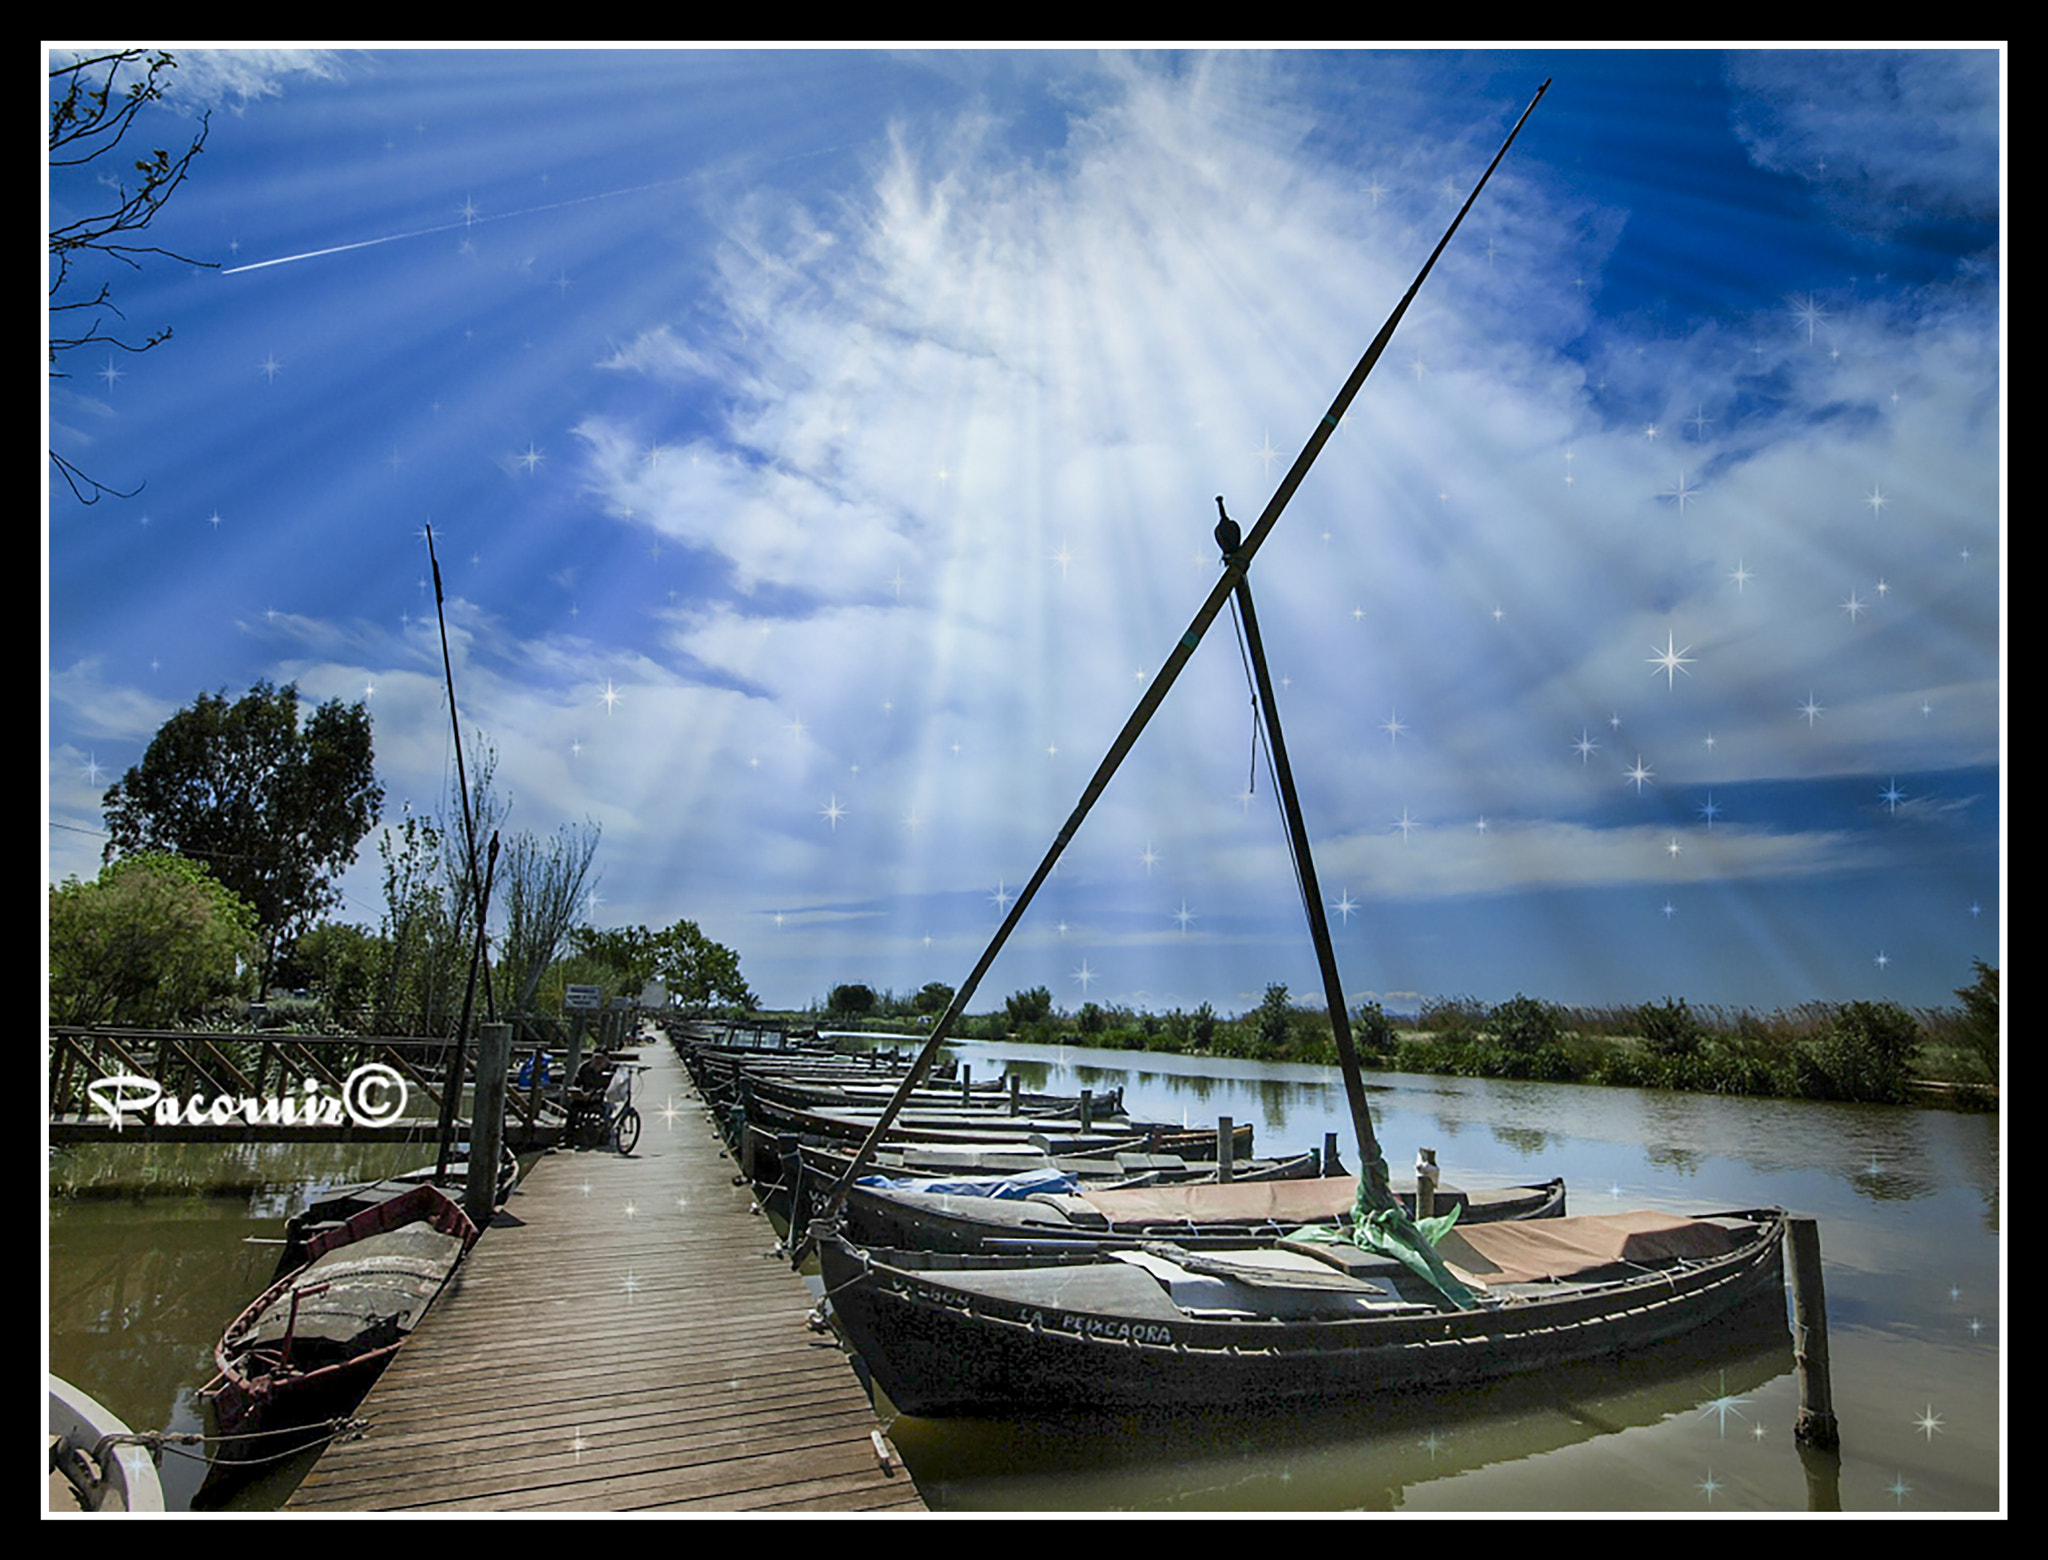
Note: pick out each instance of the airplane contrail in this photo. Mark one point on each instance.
(443, 227)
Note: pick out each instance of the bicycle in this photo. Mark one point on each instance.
(595, 1124)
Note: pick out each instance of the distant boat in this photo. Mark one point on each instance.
(1159, 1325)
(307, 1349)
(92, 1466)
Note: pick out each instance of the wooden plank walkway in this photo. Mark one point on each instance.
(621, 1339)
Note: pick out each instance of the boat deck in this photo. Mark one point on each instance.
(621, 1339)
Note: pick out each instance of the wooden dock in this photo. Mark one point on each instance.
(621, 1339)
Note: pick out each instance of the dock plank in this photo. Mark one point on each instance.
(623, 1338)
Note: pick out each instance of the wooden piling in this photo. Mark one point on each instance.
(1016, 1081)
(1425, 1182)
(1815, 1425)
(1226, 1148)
(1087, 1109)
(487, 1122)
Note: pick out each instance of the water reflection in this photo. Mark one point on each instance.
(1361, 1455)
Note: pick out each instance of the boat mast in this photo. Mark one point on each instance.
(1232, 578)
(1372, 1162)
(451, 1087)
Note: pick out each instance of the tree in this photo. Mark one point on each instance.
(544, 885)
(699, 972)
(415, 982)
(696, 971)
(274, 807)
(631, 953)
(339, 962)
(1028, 1007)
(934, 997)
(89, 118)
(155, 939)
(851, 999)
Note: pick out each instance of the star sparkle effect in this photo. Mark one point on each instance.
(1671, 660)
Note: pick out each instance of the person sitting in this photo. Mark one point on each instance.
(587, 1090)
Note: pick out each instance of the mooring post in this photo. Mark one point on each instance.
(1226, 1148)
(1015, 1081)
(1087, 1109)
(1425, 1182)
(966, 1085)
(1332, 1165)
(1815, 1425)
(487, 1121)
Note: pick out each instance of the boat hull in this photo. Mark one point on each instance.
(938, 1347)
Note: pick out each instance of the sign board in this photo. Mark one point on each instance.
(587, 999)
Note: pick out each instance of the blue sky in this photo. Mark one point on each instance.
(821, 451)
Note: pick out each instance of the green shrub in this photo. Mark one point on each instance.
(1866, 1055)
(1524, 1025)
(1977, 1030)
(1372, 1033)
(1669, 1029)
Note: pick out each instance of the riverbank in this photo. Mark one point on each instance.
(1853, 1052)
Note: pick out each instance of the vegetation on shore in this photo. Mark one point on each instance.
(1877, 1052)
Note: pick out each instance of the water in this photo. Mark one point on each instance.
(1908, 1209)
(150, 1260)
(154, 1250)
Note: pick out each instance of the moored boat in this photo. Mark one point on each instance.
(96, 1462)
(307, 1348)
(905, 1215)
(1162, 1325)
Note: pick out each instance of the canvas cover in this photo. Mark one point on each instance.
(1533, 1250)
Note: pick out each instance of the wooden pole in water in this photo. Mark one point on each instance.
(1226, 1149)
(1815, 1425)
(487, 1121)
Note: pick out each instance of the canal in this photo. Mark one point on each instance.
(152, 1250)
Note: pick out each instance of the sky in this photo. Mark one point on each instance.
(821, 449)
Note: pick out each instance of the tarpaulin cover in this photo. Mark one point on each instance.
(1537, 1249)
(1024, 1184)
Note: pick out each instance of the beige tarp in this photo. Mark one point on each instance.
(1535, 1249)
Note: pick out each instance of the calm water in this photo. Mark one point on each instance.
(142, 1282)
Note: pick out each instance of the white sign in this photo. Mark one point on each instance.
(585, 998)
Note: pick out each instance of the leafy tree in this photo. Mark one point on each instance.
(341, 964)
(1271, 1021)
(422, 950)
(699, 972)
(1525, 1024)
(1028, 1007)
(851, 999)
(90, 115)
(632, 953)
(154, 940)
(274, 806)
(935, 997)
(544, 884)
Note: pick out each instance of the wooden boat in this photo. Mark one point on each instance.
(1161, 1325)
(906, 1216)
(95, 1464)
(308, 1347)
(337, 1207)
